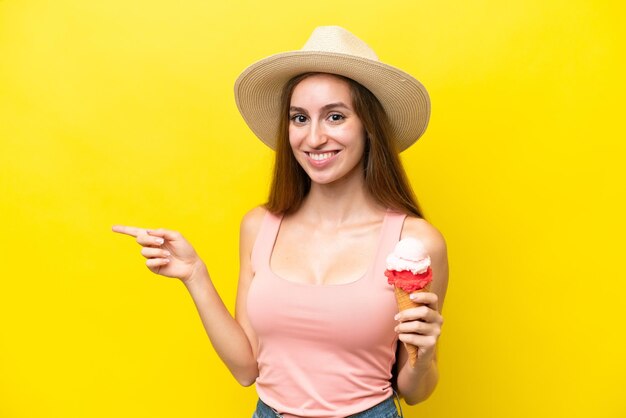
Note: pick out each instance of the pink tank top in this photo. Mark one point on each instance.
(325, 351)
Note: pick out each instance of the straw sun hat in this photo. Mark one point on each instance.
(332, 49)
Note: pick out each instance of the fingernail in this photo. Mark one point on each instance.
(167, 253)
(396, 317)
(159, 240)
(413, 296)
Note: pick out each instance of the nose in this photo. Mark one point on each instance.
(317, 136)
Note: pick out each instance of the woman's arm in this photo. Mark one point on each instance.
(421, 326)
(233, 338)
(170, 254)
(227, 336)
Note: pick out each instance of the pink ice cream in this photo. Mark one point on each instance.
(408, 266)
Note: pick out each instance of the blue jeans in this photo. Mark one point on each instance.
(385, 409)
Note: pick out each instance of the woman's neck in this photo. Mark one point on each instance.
(342, 201)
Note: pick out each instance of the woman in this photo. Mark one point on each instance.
(316, 324)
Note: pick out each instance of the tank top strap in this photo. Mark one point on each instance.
(390, 236)
(265, 239)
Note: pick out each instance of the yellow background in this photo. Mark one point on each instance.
(123, 112)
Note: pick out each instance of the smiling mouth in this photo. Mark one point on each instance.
(321, 156)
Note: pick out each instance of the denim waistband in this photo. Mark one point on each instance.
(385, 409)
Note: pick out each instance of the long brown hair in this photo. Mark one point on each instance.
(385, 178)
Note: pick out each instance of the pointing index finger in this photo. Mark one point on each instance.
(127, 230)
(165, 233)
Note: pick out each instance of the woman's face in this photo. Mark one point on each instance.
(325, 134)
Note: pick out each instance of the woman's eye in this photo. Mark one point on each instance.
(336, 117)
(298, 118)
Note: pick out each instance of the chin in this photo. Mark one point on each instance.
(334, 175)
(322, 181)
(327, 179)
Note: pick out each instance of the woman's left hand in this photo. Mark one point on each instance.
(421, 326)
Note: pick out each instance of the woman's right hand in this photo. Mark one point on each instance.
(168, 253)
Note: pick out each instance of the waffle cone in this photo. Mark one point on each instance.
(404, 302)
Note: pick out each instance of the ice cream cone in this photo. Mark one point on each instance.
(409, 271)
(404, 302)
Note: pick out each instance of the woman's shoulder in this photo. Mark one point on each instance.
(249, 229)
(423, 230)
(251, 221)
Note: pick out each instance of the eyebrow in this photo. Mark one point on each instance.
(324, 108)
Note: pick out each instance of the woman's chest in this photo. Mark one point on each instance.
(353, 316)
(324, 256)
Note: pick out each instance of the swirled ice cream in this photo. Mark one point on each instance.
(408, 266)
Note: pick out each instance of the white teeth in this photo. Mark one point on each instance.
(320, 157)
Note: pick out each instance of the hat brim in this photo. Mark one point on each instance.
(259, 87)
